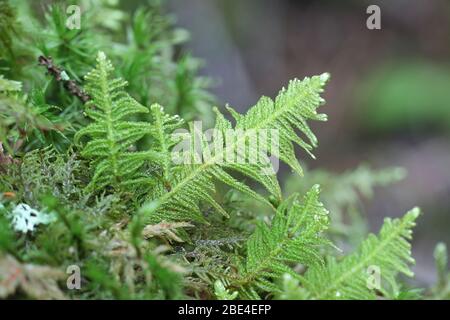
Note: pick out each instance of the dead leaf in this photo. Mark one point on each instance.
(165, 229)
(38, 282)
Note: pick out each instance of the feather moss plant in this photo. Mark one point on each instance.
(110, 134)
(140, 225)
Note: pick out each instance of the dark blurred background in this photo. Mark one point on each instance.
(388, 101)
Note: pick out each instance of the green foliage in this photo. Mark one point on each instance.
(290, 289)
(295, 236)
(134, 188)
(442, 288)
(72, 48)
(111, 135)
(194, 182)
(45, 171)
(152, 62)
(7, 30)
(222, 293)
(168, 283)
(389, 253)
(341, 191)
(7, 241)
(27, 119)
(343, 195)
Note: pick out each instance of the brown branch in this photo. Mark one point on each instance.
(5, 160)
(61, 76)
